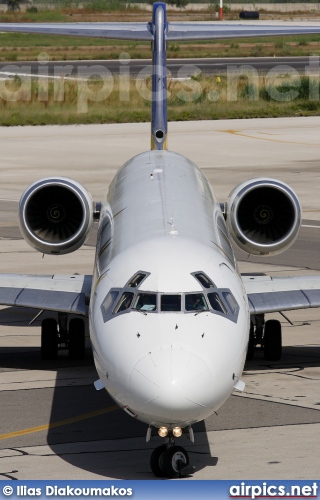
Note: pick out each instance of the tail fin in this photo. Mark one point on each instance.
(159, 77)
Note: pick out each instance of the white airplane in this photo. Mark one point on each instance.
(170, 315)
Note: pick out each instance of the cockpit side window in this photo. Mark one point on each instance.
(196, 302)
(216, 303)
(204, 280)
(136, 280)
(124, 302)
(109, 301)
(170, 303)
(145, 302)
(231, 301)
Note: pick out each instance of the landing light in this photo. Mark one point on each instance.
(177, 432)
(163, 432)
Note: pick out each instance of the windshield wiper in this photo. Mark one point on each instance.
(202, 311)
(139, 311)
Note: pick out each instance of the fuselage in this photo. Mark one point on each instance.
(169, 317)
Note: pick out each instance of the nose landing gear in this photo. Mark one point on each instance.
(170, 460)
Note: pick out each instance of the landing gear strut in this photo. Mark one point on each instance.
(170, 460)
(76, 338)
(57, 336)
(272, 340)
(49, 339)
(267, 335)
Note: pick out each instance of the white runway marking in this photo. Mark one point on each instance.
(8, 75)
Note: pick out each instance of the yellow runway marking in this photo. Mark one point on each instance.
(235, 132)
(68, 421)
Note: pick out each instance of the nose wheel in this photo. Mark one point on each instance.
(170, 462)
(156, 461)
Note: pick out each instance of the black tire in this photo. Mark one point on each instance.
(49, 339)
(76, 339)
(156, 460)
(171, 458)
(272, 340)
(249, 14)
(250, 352)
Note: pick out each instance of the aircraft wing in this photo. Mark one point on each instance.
(272, 294)
(219, 30)
(59, 293)
(123, 31)
(176, 31)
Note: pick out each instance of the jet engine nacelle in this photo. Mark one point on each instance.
(263, 216)
(55, 215)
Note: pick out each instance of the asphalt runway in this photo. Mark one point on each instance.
(53, 424)
(177, 68)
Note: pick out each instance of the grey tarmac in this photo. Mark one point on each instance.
(53, 424)
(141, 68)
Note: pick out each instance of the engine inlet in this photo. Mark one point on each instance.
(55, 215)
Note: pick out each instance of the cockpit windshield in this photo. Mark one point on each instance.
(124, 302)
(212, 299)
(215, 302)
(145, 302)
(170, 303)
(196, 302)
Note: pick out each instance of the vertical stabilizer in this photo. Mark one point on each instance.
(159, 77)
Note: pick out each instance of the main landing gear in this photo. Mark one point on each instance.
(267, 335)
(170, 460)
(57, 335)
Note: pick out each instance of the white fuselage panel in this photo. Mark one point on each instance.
(166, 367)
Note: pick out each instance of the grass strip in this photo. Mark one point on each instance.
(26, 47)
(29, 102)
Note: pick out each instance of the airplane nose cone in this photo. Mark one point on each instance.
(173, 384)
